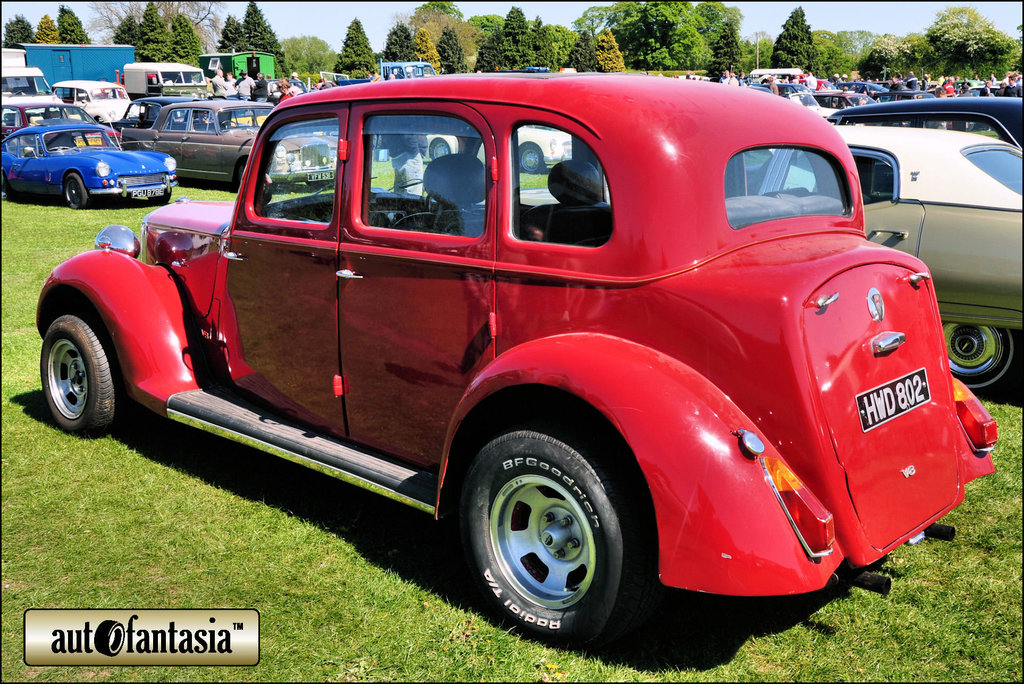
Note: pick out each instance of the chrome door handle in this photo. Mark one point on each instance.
(348, 274)
(901, 234)
(887, 342)
(235, 256)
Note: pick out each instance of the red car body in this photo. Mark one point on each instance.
(712, 353)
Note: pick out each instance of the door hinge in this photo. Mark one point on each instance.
(494, 169)
(343, 150)
(492, 324)
(340, 385)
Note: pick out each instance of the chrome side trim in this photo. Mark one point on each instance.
(298, 458)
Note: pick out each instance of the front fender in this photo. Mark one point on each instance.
(141, 308)
(720, 527)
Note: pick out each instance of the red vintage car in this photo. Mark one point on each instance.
(671, 359)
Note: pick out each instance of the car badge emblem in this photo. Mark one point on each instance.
(875, 305)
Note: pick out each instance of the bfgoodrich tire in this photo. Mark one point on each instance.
(77, 376)
(560, 541)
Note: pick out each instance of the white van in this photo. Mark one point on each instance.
(24, 81)
(148, 79)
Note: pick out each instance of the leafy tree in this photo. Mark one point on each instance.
(488, 58)
(855, 44)
(18, 30)
(888, 55)
(725, 50)
(487, 23)
(448, 8)
(185, 45)
(425, 49)
(46, 31)
(593, 20)
(794, 48)
(232, 37)
(540, 45)
(128, 32)
(562, 40)
(583, 56)
(965, 42)
(516, 51)
(308, 54)
(711, 18)
(829, 57)
(756, 51)
(70, 28)
(609, 58)
(657, 35)
(154, 38)
(259, 36)
(453, 57)
(204, 15)
(398, 46)
(356, 57)
(436, 17)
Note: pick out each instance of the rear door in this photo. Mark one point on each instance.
(888, 219)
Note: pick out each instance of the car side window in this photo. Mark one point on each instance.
(877, 177)
(963, 123)
(177, 120)
(202, 121)
(1000, 163)
(298, 168)
(561, 193)
(768, 183)
(424, 173)
(10, 116)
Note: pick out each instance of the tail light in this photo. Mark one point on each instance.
(812, 522)
(151, 79)
(980, 426)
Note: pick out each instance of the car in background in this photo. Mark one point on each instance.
(834, 101)
(995, 117)
(210, 139)
(953, 200)
(866, 87)
(81, 162)
(897, 95)
(25, 81)
(105, 101)
(672, 360)
(30, 111)
(142, 113)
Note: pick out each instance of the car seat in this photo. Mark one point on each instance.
(455, 187)
(581, 217)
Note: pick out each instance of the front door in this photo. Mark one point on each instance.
(279, 307)
(417, 288)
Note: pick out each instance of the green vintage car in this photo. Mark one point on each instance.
(954, 200)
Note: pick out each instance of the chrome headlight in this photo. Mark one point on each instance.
(171, 164)
(103, 169)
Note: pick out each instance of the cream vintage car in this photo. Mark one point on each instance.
(954, 200)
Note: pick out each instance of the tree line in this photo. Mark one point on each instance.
(643, 36)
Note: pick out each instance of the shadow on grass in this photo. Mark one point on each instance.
(690, 630)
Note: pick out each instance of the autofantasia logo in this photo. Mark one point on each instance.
(142, 637)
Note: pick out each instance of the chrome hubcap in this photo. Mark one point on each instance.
(973, 350)
(69, 384)
(543, 540)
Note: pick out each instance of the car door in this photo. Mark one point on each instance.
(889, 219)
(416, 287)
(27, 171)
(278, 302)
(200, 146)
(168, 138)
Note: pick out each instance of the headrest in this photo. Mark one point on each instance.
(575, 183)
(456, 179)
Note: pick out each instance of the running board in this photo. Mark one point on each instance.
(223, 413)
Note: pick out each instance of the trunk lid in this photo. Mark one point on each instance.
(877, 355)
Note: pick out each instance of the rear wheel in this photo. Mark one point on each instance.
(8, 190)
(77, 376)
(561, 548)
(75, 194)
(981, 356)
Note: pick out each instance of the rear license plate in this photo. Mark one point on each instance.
(883, 403)
(320, 175)
(146, 192)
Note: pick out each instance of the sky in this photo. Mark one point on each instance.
(329, 20)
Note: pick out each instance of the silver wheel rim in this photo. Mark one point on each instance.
(69, 384)
(974, 350)
(543, 541)
(531, 160)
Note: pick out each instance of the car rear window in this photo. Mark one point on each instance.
(1000, 163)
(768, 183)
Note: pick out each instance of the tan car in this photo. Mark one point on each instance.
(210, 139)
(954, 200)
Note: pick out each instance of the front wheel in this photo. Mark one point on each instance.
(77, 376)
(75, 193)
(981, 356)
(560, 547)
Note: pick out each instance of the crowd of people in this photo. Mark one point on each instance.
(257, 89)
(944, 86)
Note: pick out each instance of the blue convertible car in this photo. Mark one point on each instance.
(80, 162)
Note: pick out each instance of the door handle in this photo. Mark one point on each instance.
(348, 274)
(887, 342)
(899, 234)
(235, 256)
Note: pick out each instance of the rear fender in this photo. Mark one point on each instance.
(720, 527)
(141, 308)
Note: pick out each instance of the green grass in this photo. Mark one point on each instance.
(351, 586)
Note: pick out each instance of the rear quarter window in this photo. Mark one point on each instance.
(768, 183)
(1002, 164)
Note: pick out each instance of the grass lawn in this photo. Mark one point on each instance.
(351, 586)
